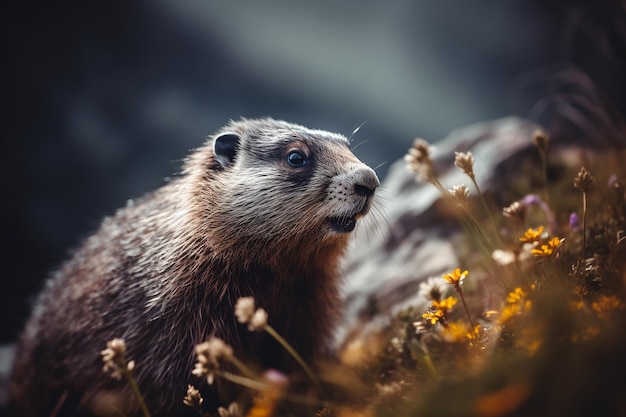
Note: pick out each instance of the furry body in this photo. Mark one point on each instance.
(245, 218)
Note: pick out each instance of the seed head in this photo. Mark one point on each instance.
(116, 348)
(419, 161)
(233, 410)
(517, 210)
(460, 193)
(193, 398)
(114, 359)
(583, 180)
(465, 161)
(246, 312)
(208, 353)
(540, 140)
(244, 309)
(258, 320)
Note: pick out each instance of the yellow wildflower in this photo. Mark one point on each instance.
(555, 242)
(459, 331)
(445, 305)
(548, 249)
(586, 334)
(532, 345)
(577, 305)
(544, 251)
(516, 304)
(265, 403)
(439, 309)
(532, 235)
(509, 312)
(605, 305)
(606, 302)
(433, 316)
(505, 401)
(456, 277)
(516, 296)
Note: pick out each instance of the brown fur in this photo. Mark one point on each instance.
(165, 272)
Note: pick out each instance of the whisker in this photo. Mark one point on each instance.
(356, 130)
(382, 164)
(359, 144)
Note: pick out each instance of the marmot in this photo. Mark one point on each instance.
(264, 208)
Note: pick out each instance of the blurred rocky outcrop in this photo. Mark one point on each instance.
(413, 237)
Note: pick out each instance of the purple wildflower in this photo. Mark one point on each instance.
(574, 222)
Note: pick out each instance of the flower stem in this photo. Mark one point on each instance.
(294, 354)
(482, 199)
(242, 367)
(242, 380)
(429, 365)
(544, 169)
(469, 316)
(469, 223)
(263, 386)
(420, 353)
(584, 223)
(135, 388)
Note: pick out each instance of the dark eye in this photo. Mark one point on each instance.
(296, 159)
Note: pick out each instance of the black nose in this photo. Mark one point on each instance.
(365, 181)
(363, 190)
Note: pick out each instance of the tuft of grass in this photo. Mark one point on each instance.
(541, 327)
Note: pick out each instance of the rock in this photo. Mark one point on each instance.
(414, 238)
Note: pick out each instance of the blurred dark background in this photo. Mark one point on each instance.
(104, 98)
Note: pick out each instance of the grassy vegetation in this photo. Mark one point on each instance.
(541, 330)
(530, 323)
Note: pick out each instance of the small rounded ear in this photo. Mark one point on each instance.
(225, 148)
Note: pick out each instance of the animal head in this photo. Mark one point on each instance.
(275, 185)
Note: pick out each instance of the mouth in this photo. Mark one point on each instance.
(342, 224)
